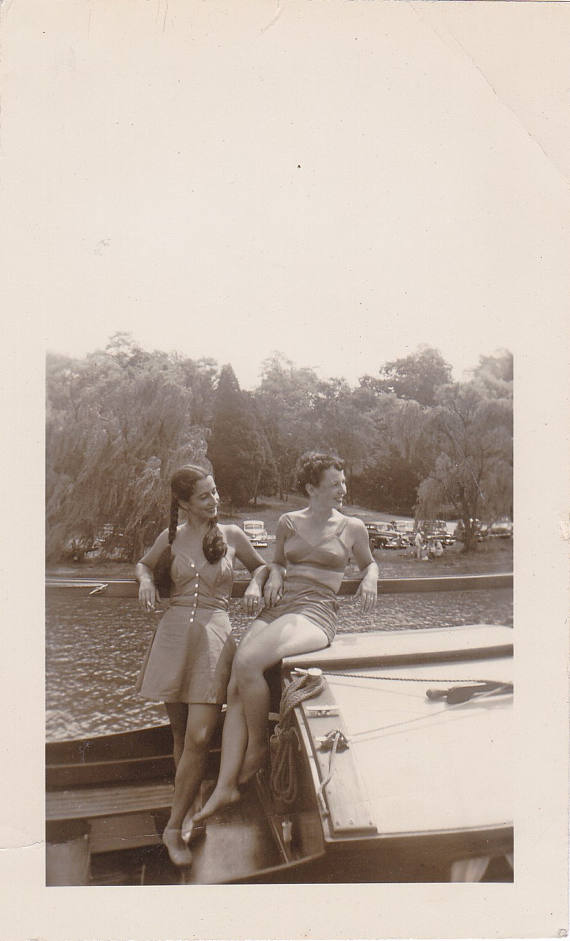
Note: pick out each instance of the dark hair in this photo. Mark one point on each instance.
(182, 486)
(312, 466)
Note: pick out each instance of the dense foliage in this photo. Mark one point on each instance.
(120, 420)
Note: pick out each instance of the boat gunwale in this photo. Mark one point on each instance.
(101, 587)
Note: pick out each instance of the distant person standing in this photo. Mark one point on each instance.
(419, 544)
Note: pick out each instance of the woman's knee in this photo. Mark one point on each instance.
(178, 717)
(246, 667)
(198, 736)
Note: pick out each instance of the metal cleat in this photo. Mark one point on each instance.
(315, 711)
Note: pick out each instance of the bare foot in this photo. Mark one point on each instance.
(219, 798)
(192, 829)
(177, 849)
(254, 760)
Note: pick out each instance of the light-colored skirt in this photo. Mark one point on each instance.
(189, 660)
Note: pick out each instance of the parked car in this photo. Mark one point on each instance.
(407, 531)
(502, 527)
(480, 529)
(437, 529)
(256, 532)
(383, 535)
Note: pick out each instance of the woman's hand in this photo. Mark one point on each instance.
(252, 598)
(273, 589)
(368, 593)
(148, 595)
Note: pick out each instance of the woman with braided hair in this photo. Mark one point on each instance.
(189, 660)
(312, 550)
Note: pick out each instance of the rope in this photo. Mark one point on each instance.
(404, 679)
(284, 741)
(337, 736)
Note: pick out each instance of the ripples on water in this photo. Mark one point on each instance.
(95, 646)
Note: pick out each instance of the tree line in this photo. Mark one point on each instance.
(122, 419)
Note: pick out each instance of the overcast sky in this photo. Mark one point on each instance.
(226, 186)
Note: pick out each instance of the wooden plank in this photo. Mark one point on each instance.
(85, 803)
(123, 831)
(108, 772)
(429, 766)
(342, 791)
(147, 742)
(384, 648)
(238, 844)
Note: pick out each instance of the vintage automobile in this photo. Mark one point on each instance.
(256, 532)
(480, 529)
(437, 529)
(502, 527)
(407, 531)
(382, 535)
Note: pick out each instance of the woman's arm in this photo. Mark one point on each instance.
(148, 595)
(274, 585)
(252, 560)
(368, 588)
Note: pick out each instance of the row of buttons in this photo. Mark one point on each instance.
(197, 576)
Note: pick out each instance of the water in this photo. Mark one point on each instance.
(95, 646)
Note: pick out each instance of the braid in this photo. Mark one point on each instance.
(162, 577)
(172, 526)
(213, 544)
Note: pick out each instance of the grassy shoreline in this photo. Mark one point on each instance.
(491, 556)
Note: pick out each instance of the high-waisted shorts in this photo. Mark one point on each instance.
(317, 603)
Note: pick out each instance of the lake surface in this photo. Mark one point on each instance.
(95, 646)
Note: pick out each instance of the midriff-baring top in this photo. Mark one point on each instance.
(323, 564)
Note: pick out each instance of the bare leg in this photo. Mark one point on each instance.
(178, 716)
(202, 719)
(263, 646)
(288, 635)
(234, 741)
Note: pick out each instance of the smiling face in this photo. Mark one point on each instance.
(330, 491)
(202, 506)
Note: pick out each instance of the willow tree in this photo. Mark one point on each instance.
(472, 470)
(119, 422)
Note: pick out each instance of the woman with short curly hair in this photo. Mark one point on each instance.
(312, 549)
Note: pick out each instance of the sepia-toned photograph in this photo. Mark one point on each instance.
(288, 613)
(294, 266)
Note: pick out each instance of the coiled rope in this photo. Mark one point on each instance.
(284, 741)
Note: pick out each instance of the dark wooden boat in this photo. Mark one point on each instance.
(399, 770)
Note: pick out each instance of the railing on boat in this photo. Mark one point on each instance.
(128, 587)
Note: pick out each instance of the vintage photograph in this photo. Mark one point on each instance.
(333, 563)
(294, 268)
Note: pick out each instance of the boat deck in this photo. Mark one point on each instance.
(426, 764)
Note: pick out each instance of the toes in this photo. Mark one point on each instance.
(193, 831)
(179, 853)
